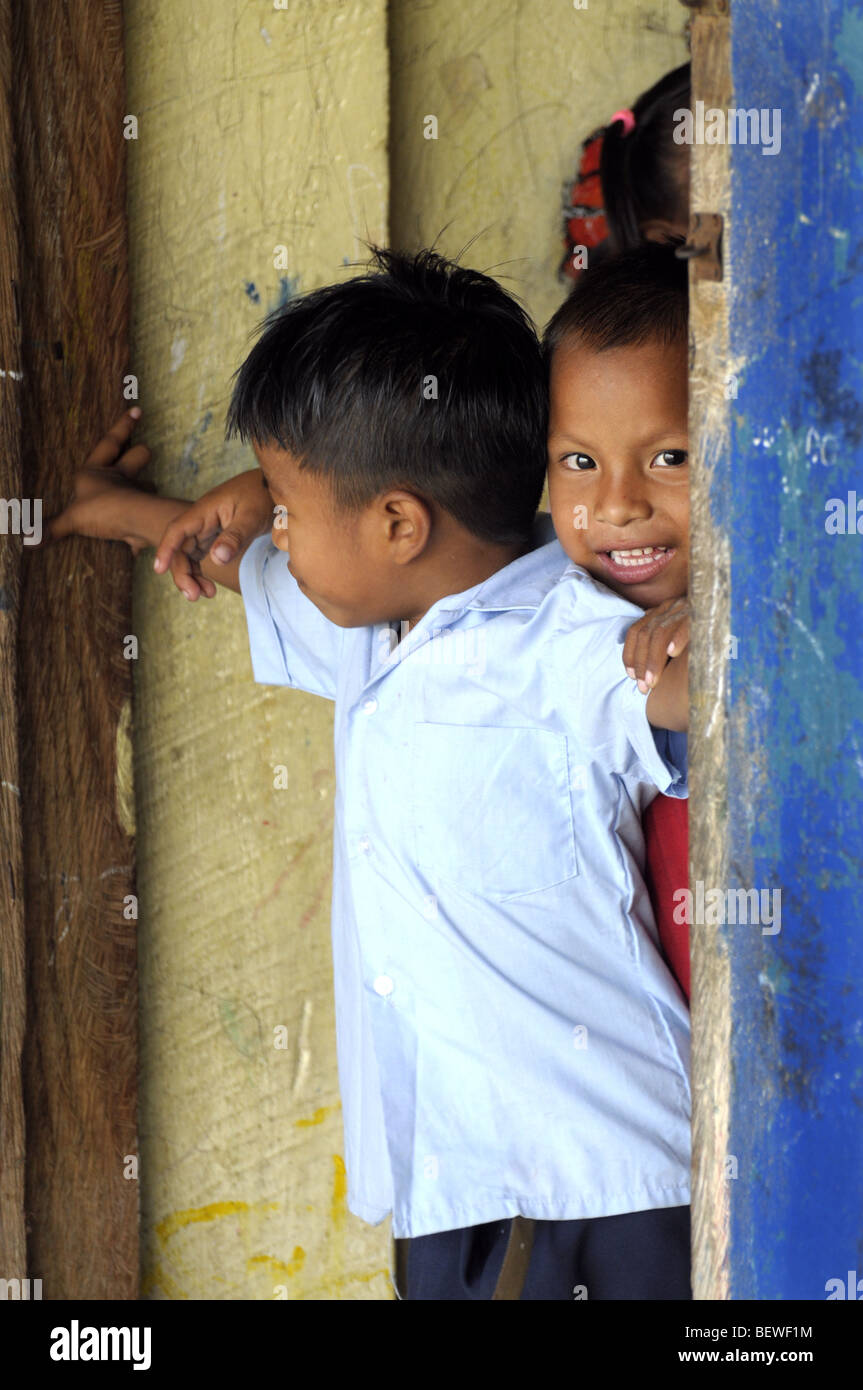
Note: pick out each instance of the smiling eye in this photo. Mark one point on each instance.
(581, 462)
(671, 458)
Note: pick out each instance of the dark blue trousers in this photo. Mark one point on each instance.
(638, 1255)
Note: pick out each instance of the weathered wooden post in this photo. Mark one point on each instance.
(68, 1051)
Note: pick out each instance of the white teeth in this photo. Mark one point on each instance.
(637, 556)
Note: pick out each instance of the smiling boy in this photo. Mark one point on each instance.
(618, 429)
(618, 478)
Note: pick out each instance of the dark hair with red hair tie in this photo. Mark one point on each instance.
(584, 223)
(629, 173)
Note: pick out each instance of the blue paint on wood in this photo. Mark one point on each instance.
(796, 769)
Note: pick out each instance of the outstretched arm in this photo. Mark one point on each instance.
(109, 502)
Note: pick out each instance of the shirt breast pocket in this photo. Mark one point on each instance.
(493, 808)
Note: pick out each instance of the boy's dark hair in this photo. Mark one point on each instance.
(643, 174)
(638, 296)
(341, 379)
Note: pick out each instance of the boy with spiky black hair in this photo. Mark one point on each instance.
(512, 1048)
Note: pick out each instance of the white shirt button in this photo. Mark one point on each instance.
(383, 985)
(370, 705)
(364, 844)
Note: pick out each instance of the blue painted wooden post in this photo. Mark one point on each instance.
(789, 500)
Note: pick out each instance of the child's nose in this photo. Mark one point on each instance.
(620, 502)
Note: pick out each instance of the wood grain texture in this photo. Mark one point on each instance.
(80, 1050)
(13, 1252)
(709, 434)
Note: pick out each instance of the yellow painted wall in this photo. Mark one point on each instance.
(257, 127)
(261, 127)
(515, 88)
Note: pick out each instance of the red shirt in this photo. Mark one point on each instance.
(666, 837)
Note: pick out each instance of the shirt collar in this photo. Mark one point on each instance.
(523, 583)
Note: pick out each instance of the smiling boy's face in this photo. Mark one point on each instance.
(618, 472)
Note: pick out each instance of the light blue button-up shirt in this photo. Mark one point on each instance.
(509, 1039)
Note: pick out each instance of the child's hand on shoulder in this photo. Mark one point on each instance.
(101, 489)
(235, 512)
(652, 641)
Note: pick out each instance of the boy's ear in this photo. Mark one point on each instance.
(407, 521)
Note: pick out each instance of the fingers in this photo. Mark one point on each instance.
(184, 560)
(131, 463)
(651, 658)
(183, 528)
(226, 547)
(57, 527)
(189, 579)
(643, 657)
(182, 547)
(112, 444)
(630, 646)
(663, 633)
(680, 637)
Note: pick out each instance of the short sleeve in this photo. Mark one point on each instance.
(290, 640)
(672, 748)
(604, 708)
(661, 752)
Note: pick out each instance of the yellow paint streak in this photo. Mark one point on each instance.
(278, 1266)
(338, 1204)
(178, 1220)
(318, 1118)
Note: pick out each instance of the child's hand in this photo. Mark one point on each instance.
(651, 642)
(236, 511)
(101, 489)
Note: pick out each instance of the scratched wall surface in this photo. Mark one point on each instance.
(790, 497)
(515, 89)
(263, 127)
(258, 127)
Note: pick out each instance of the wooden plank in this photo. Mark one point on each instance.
(80, 1056)
(13, 1251)
(796, 729)
(709, 431)
(778, 1069)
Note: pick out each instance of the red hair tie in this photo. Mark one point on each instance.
(583, 215)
